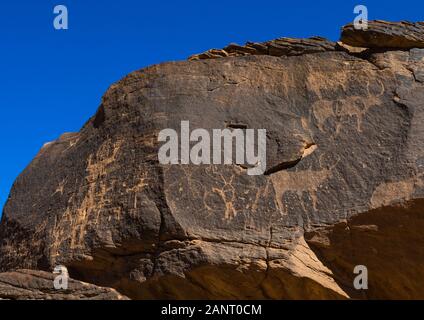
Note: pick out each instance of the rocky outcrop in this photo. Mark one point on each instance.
(344, 182)
(38, 285)
(277, 48)
(385, 35)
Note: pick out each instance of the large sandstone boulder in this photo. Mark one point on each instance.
(344, 184)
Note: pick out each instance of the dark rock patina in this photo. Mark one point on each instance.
(345, 186)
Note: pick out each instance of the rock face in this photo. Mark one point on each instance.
(344, 184)
(38, 285)
(383, 34)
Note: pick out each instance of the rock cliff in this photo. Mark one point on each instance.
(344, 184)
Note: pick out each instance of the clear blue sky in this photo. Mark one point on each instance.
(52, 81)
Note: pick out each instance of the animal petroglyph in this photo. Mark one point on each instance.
(391, 192)
(353, 106)
(79, 214)
(299, 182)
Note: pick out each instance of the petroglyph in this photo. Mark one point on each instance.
(79, 215)
(392, 192)
(353, 106)
(101, 203)
(60, 187)
(299, 182)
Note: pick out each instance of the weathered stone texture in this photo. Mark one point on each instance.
(345, 182)
(38, 285)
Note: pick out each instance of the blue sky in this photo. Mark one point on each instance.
(52, 81)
